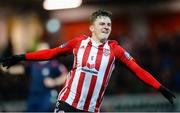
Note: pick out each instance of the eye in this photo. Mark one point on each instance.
(102, 23)
(109, 24)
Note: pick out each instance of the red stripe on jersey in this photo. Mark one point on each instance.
(65, 86)
(90, 92)
(104, 82)
(79, 89)
(75, 62)
(86, 53)
(68, 88)
(99, 57)
(75, 51)
(62, 91)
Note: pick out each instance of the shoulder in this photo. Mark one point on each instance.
(113, 43)
(76, 40)
(81, 37)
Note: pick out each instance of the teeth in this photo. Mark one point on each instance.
(105, 32)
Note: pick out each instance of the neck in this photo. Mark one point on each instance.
(97, 40)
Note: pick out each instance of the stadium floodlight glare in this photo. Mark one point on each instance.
(61, 4)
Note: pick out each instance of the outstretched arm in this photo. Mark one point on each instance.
(38, 55)
(142, 74)
(33, 56)
(46, 54)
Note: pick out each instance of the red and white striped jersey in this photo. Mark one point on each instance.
(93, 64)
(88, 79)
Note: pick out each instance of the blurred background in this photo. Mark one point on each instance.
(148, 29)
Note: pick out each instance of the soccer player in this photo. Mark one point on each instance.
(94, 58)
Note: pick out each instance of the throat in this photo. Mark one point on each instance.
(98, 41)
(103, 41)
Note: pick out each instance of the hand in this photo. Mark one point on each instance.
(167, 94)
(49, 82)
(12, 60)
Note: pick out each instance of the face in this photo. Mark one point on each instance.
(101, 28)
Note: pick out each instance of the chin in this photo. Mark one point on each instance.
(103, 40)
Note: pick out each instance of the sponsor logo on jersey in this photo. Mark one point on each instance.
(89, 70)
(90, 66)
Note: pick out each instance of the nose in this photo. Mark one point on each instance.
(106, 28)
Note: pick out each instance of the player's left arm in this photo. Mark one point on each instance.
(142, 74)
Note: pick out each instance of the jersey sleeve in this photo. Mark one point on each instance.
(129, 61)
(52, 53)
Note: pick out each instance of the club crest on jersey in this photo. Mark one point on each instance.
(106, 52)
(63, 45)
(127, 55)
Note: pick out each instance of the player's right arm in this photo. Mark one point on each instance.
(41, 55)
(48, 53)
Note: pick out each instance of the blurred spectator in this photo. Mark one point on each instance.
(44, 77)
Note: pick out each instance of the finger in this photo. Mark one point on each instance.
(171, 100)
(173, 95)
(170, 93)
(4, 64)
(7, 67)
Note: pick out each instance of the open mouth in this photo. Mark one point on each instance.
(105, 32)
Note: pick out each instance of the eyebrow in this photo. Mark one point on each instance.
(104, 23)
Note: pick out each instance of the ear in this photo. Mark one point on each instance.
(91, 28)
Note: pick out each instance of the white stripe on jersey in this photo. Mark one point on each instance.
(88, 76)
(101, 74)
(109, 75)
